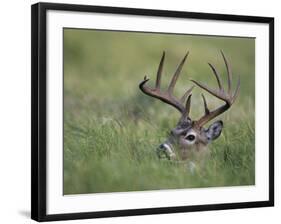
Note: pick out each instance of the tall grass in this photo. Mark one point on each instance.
(111, 129)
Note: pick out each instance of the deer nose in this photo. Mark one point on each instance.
(165, 150)
(190, 137)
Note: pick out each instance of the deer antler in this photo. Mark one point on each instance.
(167, 96)
(228, 97)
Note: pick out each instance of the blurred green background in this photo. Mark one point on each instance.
(111, 129)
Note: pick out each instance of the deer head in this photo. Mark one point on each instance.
(190, 138)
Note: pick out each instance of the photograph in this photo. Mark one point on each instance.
(140, 112)
(148, 111)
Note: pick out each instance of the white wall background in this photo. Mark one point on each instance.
(15, 110)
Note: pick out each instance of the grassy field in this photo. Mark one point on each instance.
(111, 129)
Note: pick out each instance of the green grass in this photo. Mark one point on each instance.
(111, 129)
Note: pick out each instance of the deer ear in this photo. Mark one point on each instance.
(214, 131)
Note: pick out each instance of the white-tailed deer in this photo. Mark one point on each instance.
(189, 139)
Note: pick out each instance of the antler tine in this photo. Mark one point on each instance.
(187, 105)
(187, 93)
(166, 96)
(176, 75)
(214, 92)
(227, 97)
(236, 91)
(229, 72)
(159, 72)
(207, 111)
(217, 75)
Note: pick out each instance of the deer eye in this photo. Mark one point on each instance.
(190, 137)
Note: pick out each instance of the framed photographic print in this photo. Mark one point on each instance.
(139, 111)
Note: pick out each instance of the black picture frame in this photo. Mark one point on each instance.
(39, 107)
